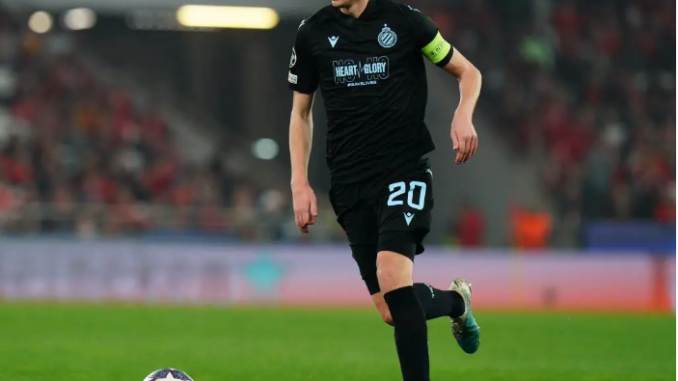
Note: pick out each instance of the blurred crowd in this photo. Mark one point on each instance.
(83, 146)
(79, 154)
(584, 89)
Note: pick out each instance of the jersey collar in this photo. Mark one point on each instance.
(369, 12)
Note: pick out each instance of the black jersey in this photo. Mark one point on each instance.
(372, 77)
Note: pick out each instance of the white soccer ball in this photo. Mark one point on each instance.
(167, 374)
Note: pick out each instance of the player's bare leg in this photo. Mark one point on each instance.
(382, 307)
(394, 272)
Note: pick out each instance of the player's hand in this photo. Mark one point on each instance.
(305, 206)
(464, 137)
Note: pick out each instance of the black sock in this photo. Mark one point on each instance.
(411, 335)
(438, 303)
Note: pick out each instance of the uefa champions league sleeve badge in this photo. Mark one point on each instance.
(293, 58)
(387, 38)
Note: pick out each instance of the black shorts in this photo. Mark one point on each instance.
(389, 213)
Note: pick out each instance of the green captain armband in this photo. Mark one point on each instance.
(438, 51)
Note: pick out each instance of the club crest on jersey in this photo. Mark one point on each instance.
(387, 38)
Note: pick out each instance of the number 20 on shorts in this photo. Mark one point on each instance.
(398, 189)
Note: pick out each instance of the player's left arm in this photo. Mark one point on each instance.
(463, 132)
(441, 53)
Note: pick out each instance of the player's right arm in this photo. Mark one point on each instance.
(301, 140)
(303, 80)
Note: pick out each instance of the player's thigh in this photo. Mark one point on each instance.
(404, 212)
(394, 270)
(362, 231)
(404, 209)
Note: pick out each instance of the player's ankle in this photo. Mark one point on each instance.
(458, 307)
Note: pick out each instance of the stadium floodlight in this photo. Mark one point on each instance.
(209, 16)
(40, 22)
(80, 19)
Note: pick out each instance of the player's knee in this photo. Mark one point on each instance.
(389, 278)
(382, 307)
(386, 317)
(394, 271)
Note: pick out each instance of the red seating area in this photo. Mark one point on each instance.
(87, 155)
(589, 94)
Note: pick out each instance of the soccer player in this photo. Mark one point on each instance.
(366, 57)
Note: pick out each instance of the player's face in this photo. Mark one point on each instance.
(343, 3)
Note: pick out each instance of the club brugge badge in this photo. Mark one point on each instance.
(387, 37)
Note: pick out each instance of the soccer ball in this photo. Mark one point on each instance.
(167, 374)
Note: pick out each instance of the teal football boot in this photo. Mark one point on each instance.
(465, 328)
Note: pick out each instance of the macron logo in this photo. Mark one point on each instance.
(333, 40)
(408, 217)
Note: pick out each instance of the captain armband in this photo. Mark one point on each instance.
(438, 51)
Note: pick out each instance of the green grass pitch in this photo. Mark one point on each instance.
(74, 343)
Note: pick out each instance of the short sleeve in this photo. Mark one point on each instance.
(428, 38)
(303, 74)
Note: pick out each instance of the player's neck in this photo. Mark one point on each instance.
(356, 9)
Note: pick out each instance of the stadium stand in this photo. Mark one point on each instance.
(590, 104)
(590, 93)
